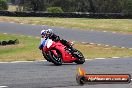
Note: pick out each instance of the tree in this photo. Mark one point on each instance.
(20, 4)
(34, 5)
(66, 5)
(95, 6)
(127, 8)
(92, 8)
(13, 1)
(3, 5)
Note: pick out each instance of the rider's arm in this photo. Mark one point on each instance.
(55, 37)
(42, 42)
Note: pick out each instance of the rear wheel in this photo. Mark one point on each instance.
(80, 57)
(57, 60)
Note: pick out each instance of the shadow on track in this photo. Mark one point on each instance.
(64, 64)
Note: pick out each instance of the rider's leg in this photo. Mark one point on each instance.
(67, 44)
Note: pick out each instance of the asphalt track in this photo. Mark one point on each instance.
(106, 38)
(46, 75)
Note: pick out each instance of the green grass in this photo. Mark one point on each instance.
(113, 25)
(28, 50)
(95, 51)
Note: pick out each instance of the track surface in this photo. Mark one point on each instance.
(98, 37)
(46, 75)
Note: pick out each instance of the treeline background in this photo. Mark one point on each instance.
(91, 6)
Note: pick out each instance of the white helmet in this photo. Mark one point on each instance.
(43, 32)
(50, 31)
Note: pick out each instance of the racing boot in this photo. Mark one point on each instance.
(73, 51)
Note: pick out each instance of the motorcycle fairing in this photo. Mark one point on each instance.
(66, 57)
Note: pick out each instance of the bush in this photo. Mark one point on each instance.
(3, 5)
(54, 10)
(10, 42)
(4, 43)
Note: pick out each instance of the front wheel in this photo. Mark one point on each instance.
(46, 56)
(57, 60)
(80, 57)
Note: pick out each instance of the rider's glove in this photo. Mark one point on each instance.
(41, 47)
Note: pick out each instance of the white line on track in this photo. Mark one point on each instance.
(100, 58)
(114, 32)
(45, 60)
(115, 57)
(4, 33)
(3, 62)
(34, 61)
(23, 61)
(99, 44)
(104, 31)
(26, 61)
(20, 61)
(122, 47)
(91, 43)
(12, 22)
(106, 45)
(21, 23)
(88, 59)
(3, 86)
(83, 42)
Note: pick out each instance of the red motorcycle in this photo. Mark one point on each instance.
(57, 53)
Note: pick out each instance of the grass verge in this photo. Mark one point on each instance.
(28, 50)
(113, 25)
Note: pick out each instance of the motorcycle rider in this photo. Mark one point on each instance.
(54, 37)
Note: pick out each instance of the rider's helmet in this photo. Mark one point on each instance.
(49, 32)
(43, 32)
